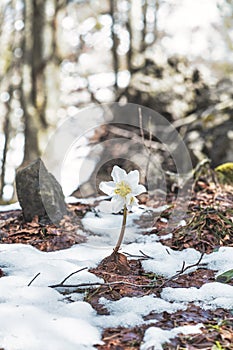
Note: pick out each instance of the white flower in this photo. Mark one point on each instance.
(123, 189)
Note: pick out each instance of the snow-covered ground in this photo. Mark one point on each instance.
(38, 317)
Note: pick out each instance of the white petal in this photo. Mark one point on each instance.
(131, 201)
(133, 178)
(118, 174)
(117, 204)
(133, 208)
(138, 190)
(107, 187)
(105, 207)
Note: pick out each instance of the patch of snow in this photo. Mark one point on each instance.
(168, 236)
(129, 312)
(89, 200)
(155, 337)
(182, 223)
(164, 220)
(13, 206)
(159, 209)
(30, 327)
(38, 317)
(166, 261)
(106, 227)
(19, 259)
(209, 296)
(221, 260)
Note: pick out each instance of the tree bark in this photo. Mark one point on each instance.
(114, 42)
(33, 85)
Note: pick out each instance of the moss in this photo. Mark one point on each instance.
(225, 173)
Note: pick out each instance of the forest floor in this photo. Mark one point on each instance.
(207, 227)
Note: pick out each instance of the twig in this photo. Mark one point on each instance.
(73, 273)
(149, 147)
(33, 279)
(109, 284)
(183, 269)
(168, 251)
(193, 265)
(145, 255)
(132, 135)
(140, 257)
(132, 255)
(141, 125)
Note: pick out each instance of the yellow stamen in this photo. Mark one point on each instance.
(131, 200)
(122, 189)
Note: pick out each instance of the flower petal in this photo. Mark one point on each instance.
(107, 187)
(131, 201)
(105, 207)
(118, 174)
(133, 178)
(138, 190)
(117, 204)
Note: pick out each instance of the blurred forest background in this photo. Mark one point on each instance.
(58, 56)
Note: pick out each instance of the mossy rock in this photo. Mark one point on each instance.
(225, 173)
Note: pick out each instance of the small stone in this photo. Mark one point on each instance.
(39, 193)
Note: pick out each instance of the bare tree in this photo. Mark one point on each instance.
(33, 97)
(114, 40)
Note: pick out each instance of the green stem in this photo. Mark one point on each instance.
(117, 247)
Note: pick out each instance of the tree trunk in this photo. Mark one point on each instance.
(33, 86)
(114, 41)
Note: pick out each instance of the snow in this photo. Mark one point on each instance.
(89, 200)
(164, 220)
(130, 311)
(209, 296)
(31, 327)
(154, 337)
(13, 206)
(221, 261)
(165, 261)
(38, 316)
(106, 227)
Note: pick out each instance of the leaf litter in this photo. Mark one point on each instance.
(207, 226)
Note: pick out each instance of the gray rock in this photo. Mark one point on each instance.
(40, 194)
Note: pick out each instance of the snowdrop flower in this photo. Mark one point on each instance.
(123, 189)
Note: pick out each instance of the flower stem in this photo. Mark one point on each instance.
(117, 247)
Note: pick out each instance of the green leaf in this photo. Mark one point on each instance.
(225, 277)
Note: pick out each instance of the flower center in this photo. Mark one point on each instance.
(122, 189)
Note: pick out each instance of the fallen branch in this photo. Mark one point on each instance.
(99, 284)
(109, 284)
(183, 269)
(73, 273)
(33, 279)
(141, 257)
(62, 282)
(145, 255)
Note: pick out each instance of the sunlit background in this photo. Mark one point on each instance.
(57, 57)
